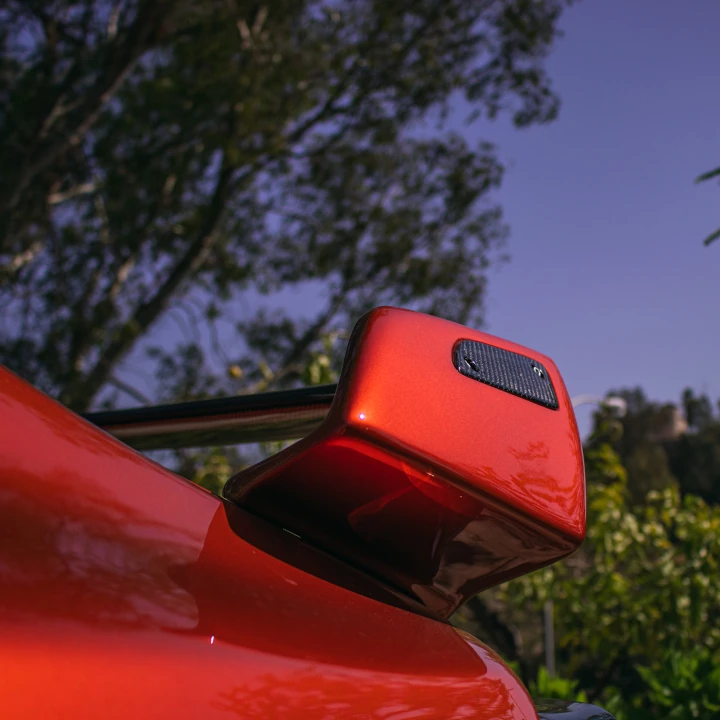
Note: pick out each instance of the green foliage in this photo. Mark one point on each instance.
(210, 468)
(639, 439)
(636, 609)
(695, 461)
(320, 369)
(685, 684)
(662, 445)
(182, 158)
(549, 686)
(698, 409)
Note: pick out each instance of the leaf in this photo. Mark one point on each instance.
(708, 175)
(712, 237)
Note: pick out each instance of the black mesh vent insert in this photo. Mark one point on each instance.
(505, 370)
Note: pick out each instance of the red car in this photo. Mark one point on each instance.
(446, 461)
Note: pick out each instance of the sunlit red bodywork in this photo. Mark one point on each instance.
(127, 592)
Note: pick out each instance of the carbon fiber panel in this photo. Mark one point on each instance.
(505, 370)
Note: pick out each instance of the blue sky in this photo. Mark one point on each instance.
(608, 274)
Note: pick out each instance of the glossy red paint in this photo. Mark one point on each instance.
(127, 592)
(448, 486)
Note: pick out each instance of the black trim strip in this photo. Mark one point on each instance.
(283, 415)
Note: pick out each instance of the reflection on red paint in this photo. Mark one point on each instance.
(127, 592)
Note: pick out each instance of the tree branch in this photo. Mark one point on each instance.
(56, 198)
(80, 392)
(21, 259)
(134, 393)
(140, 37)
(328, 110)
(292, 361)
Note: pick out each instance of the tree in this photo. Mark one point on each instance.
(662, 446)
(695, 462)
(698, 409)
(173, 156)
(641, 443)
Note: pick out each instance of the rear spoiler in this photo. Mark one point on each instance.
(283, 415)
